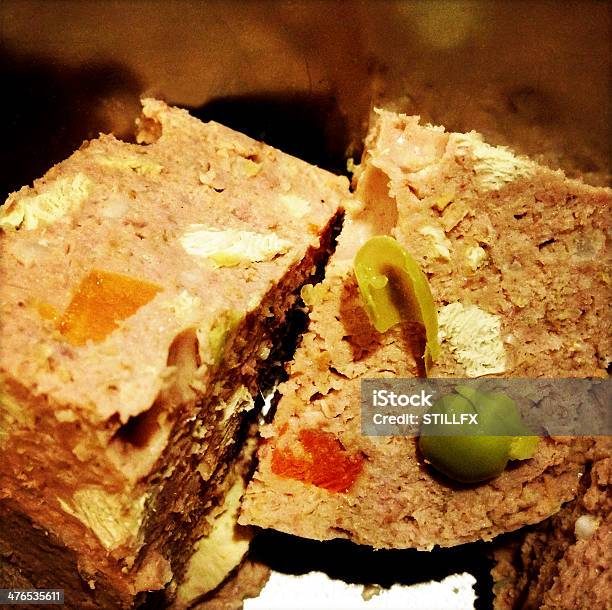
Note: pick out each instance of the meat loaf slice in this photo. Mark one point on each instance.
(140, 286)
(563, 563)
(515, 256)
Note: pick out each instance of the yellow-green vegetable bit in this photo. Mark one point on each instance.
(471, 453)
(394, 289)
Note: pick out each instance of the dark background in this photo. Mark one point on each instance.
(302, 74)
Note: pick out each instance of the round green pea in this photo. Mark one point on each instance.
(467, 459)
(474, 453)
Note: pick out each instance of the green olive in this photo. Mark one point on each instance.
(394, 289)
(471, 453)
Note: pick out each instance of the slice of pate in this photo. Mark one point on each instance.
(516, 259)
(141, 286)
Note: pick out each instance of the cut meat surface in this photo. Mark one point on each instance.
(517, 260)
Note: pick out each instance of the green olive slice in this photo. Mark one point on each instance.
(394, 289)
